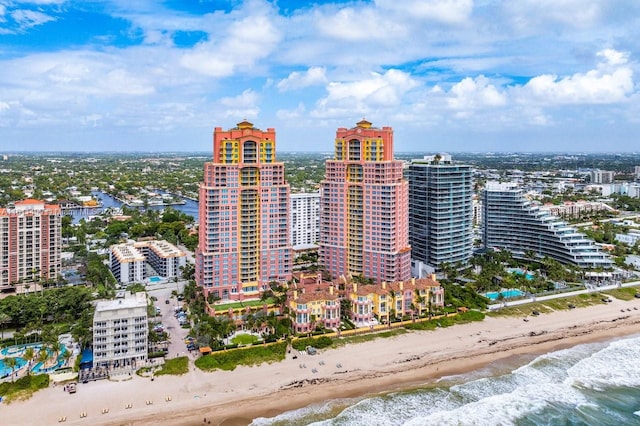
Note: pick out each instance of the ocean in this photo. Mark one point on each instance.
(589, 384)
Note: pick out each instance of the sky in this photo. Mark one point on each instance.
(447, 75)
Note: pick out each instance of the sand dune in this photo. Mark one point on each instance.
(355, 370)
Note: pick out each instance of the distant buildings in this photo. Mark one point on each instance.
(578, 209)
(602, 176)
(304, 220)
(513, 223)
(30, 242)
(128, 262)
(244, 216)
(440, 213)
(364, 218)
(120, 332)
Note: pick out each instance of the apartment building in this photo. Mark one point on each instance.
(364, 213)
(513, 223)
(244, 216)
(304, 220)
(120, 332)
(129, 261)
(440, 213)
(30, 242)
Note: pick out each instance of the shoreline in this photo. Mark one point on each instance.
(406, 361)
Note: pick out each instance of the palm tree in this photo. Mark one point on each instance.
(4, 319)
(29, 355)
(43, 355)
(67, 356)
(419, 301)
(12, 363)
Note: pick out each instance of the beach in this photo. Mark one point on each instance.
(355, 370)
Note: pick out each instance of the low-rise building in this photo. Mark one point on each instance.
(386, 301)
(120, 332)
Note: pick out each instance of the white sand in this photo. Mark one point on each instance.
(238, 396)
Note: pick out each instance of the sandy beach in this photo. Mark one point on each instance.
(356, 370)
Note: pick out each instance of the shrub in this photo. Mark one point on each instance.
(175, 366)
(254, 355)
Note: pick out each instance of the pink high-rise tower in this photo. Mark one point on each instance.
(244, 216)
(364, 213)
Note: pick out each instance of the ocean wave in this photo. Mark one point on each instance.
(562, 387)
(616, 365)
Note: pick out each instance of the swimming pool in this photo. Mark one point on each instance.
(507, 294)
(5, 371)
(155, 279)
(18, 351)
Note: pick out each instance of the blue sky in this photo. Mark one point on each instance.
(447, 75)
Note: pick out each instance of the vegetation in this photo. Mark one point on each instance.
(253, 355)
(623, 293)
(175, 366)
(317, 342)
(23, 388)
(369, 337)
(461, 318)
(244, 339)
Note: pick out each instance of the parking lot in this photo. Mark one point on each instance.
(170, 324)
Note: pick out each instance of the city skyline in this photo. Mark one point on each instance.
(447, 75)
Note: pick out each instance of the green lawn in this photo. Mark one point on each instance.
(254, 355)
(174, 366)
(23, 388)
(235, 305)
(626, 293)
(244, 339)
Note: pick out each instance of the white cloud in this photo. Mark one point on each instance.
(29, 18)
(362, 24)
(472, 93)
(244, 105)
(235, 46)
(297, 80)
(447, 11)
(377, 91)
(613, 57)
(609, 83)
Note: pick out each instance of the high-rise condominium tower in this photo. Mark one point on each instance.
(244, 215)
(364, 218)
(511, 222)
(30, 241)
(440, 213)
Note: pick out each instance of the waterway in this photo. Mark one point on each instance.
(107, 201)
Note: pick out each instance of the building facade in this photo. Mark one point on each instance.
(364, 218)
(305, 219)
(440, 213)
(244, 216)
(30, 242)
(128, 262)
(513, 223)
(120, 332)
(601, 176)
